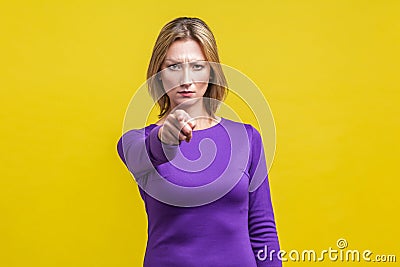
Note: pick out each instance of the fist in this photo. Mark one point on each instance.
(178, 126)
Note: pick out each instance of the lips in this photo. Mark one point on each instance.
(186, 93)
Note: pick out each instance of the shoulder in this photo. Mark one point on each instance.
(253, 134)
(131, 134)
(134, 132)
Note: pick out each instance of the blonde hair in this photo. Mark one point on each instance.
(186, 28)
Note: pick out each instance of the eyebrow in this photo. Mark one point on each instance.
(177, 61)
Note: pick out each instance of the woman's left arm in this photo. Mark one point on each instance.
(262, 227)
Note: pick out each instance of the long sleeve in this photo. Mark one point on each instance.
(262, 228)
(141, 151)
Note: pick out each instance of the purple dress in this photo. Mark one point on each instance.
(207, 201)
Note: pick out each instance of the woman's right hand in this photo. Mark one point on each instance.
(177, 127)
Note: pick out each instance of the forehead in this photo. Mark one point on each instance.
(184, 51)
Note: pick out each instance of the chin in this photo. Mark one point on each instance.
(186, 99)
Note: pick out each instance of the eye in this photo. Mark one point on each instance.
(198, 66)
(174, 67)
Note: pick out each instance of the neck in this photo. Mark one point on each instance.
(194, 107)
(198, 112)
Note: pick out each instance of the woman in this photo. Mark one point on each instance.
(218, 223)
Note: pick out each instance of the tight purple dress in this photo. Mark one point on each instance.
(208, 201)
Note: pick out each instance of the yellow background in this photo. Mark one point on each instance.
(329, 70)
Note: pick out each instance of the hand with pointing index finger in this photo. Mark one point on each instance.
(178, 126)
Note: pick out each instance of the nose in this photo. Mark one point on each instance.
(186, 79)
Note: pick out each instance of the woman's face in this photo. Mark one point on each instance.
(185, 72)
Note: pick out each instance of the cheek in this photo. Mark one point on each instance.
(202, 79)
(201, 88)
(202, 76)
(170, 81)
